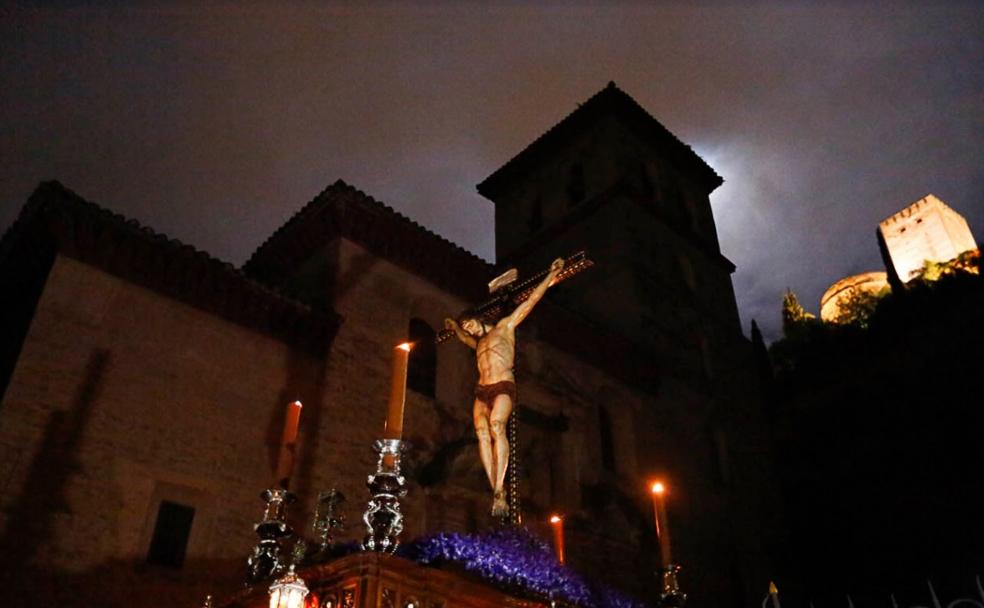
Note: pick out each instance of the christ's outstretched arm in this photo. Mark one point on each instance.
(524, 309)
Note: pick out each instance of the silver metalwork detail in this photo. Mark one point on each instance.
(670, 595)
(383, 519)
(266, 560)
(327, 517)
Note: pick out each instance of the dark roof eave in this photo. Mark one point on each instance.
(342, 210)
(122, 247)
(609, 101)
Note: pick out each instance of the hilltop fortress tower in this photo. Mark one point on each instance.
(925, 230)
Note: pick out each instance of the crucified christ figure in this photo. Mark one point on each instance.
(495, 394)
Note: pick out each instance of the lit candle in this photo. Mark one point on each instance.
(398, 392)
(662, 525)
(557, 522)
(288, 444)
(774, 595)
(398, 396)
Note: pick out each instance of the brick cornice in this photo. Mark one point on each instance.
(344, 211)
(56, 219)
(610, 101)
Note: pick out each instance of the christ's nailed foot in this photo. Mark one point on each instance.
(499, 506)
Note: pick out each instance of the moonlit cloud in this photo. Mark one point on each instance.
(214, 125)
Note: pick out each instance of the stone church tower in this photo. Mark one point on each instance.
(658, 313)
(611, 179)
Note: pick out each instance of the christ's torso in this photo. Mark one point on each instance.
(495, 354)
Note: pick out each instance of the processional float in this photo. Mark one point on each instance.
(379, 572)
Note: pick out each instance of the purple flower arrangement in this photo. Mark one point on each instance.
(514, 559)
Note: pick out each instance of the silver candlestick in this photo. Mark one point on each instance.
(266, 561)
(327, 518)
(383, 519)
(670, 595)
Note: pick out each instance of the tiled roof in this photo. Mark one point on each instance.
(344, 211)
(56, 220)
(341, 210)
(609, 101)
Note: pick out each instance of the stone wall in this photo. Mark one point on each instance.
(122, 398)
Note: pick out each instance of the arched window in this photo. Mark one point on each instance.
(422, 366)
(607, 439)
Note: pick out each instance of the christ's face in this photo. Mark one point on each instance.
(473, 328)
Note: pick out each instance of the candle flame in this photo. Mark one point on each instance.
(556, 519)
(406, 346)
(298, 404)
(657, 488)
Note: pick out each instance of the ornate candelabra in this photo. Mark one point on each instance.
(266, 560)
(383, 518)
(327, 517)
(669, 593)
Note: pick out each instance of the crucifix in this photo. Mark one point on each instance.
(489, 329)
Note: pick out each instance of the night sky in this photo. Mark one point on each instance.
(215, 125)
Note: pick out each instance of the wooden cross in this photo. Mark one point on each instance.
(506, 295)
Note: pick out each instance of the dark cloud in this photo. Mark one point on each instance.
(214, 125)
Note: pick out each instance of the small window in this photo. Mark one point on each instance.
(687, 272)
(422, 366)
(693, 213)
(705, 357)
(575, 185)
(171, 532)
(720, 457)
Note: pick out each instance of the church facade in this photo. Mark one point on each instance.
(143, 382)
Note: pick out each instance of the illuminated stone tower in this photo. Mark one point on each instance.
(925, 230)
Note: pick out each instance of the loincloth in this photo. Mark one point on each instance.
(486, 393)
